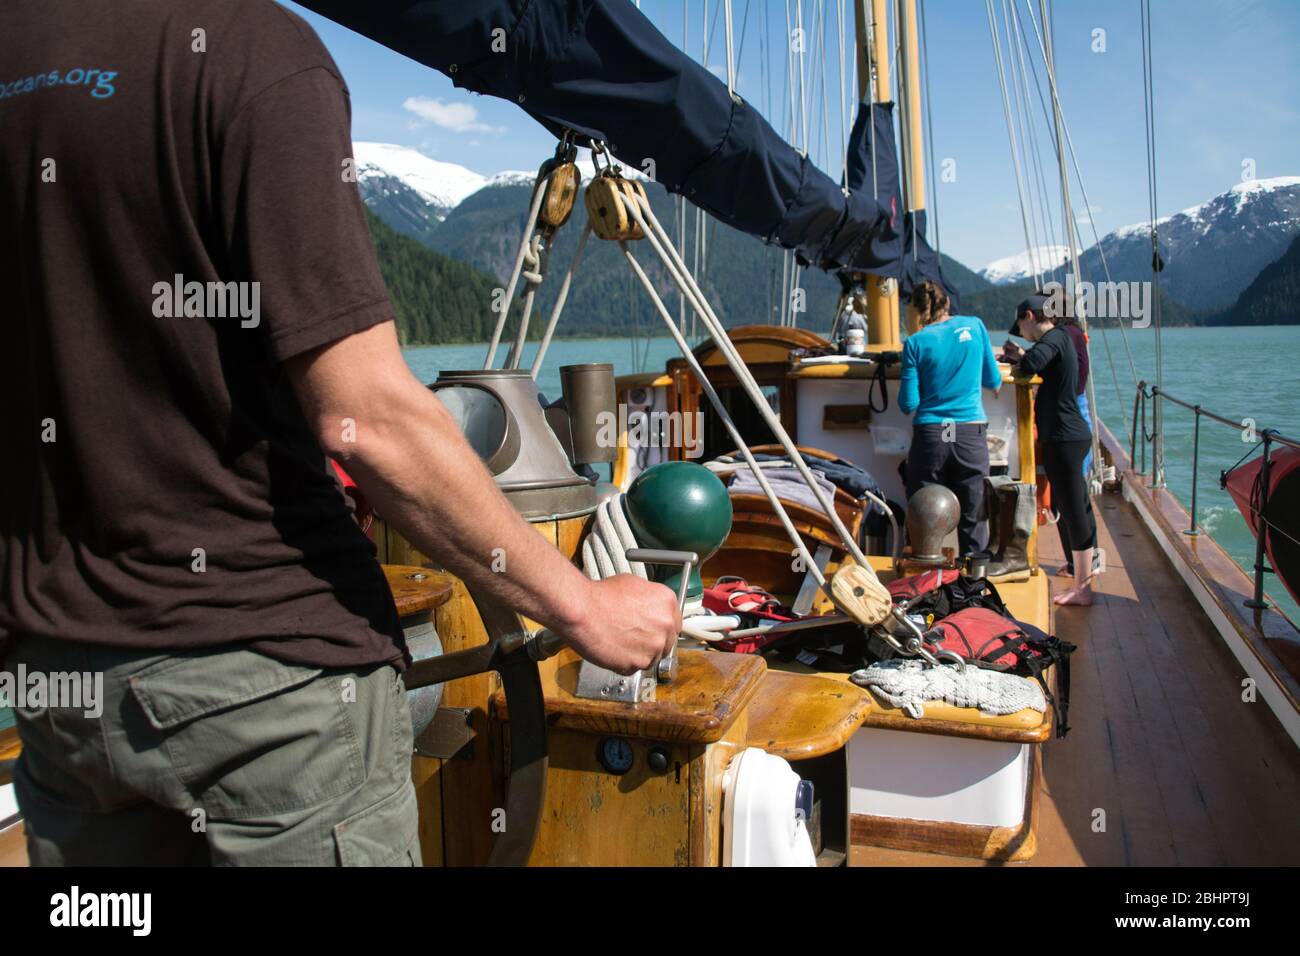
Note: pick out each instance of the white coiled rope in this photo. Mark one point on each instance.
(604, 552)
(908, 684)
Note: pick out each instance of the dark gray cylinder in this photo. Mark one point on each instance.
(589, 397)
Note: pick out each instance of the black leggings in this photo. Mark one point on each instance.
(1063, 462)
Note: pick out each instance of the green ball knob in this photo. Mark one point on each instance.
(679, 506)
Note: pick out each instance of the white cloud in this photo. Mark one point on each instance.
(1087, 216)
(457, 117)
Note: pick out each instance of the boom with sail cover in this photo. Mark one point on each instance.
(600, 69)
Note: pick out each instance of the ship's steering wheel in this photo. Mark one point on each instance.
(513, 651)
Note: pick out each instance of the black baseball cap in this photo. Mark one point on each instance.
(1035, 303)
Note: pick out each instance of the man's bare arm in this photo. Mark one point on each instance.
(408, 456)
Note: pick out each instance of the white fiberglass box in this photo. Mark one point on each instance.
(917, 776)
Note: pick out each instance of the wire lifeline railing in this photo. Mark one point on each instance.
(1268, 437)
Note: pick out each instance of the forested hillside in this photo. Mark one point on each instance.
(1273, 298)
(437, 299)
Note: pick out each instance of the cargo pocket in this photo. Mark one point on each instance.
(251, 736)
(386, 833)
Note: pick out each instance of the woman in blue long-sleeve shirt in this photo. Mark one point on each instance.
(945, 365)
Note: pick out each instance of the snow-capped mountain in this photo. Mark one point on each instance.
(513, 177)
(1211, 251)
(412, 192)
(1023, 265)
(442, 185)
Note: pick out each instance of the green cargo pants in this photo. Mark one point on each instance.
(223, 757)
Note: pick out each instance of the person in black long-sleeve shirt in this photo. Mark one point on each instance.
(1065, 435)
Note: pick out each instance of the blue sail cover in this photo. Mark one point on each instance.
(873, 171)
(898, 249)
(602, 70)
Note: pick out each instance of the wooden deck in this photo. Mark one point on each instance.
(13, 849)
(1163, 751)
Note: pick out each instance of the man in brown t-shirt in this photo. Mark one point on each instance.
(194, 320)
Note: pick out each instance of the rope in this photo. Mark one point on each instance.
(532, 273)
(604, 551)
(907, 685)
(731, 62)
(560, 300)
(539, 190)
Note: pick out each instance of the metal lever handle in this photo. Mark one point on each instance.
(666, 667)
(545, 643)
(687, 559)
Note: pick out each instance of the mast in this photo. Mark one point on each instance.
(914, 144)
(873, 79)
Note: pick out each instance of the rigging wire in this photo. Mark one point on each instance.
(1025, 58)
(765, 90)
(1149, 109)
(803, 86)
(1011, 136)
(681, 200)
(820, 78)
(1097, 244)
(700, 237)
(1050, 237)
(1067, 214)
(731, 63)
(844, 149)
(1046, 228)
(877, 95)
(929, 129)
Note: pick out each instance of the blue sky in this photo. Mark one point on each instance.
(1226, 76)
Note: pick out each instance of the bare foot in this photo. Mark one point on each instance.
(1065, 571)
(1081, 596)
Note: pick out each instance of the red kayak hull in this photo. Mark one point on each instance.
(1283, 511)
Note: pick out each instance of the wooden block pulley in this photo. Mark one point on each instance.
(607, 199)
(561, 193)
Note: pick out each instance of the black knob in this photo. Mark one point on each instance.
(657, 758)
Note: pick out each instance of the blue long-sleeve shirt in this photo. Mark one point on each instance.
(944, 367)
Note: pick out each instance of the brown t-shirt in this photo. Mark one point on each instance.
(159, 485)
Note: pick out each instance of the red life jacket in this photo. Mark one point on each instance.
(985, 638)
